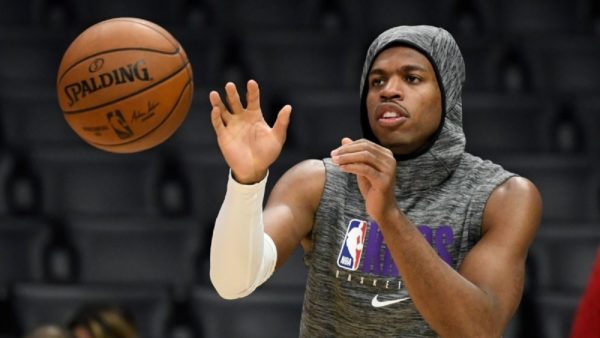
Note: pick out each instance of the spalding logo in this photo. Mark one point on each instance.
(130, 73)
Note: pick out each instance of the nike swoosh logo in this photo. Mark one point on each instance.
(375, 302)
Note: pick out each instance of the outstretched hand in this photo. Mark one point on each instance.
(375, 169)
(248, 144)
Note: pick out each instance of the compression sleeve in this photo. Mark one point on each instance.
(242, 255)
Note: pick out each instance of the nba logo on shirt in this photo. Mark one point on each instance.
(352, 247)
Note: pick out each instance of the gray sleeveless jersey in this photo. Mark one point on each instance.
(354, 288)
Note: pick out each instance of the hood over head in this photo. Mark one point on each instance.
(446, 146)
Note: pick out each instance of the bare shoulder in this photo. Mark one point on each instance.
(292, 204)
(302, 183)
(307, 169)
(497, 262)
(517, 187)
(516, 205)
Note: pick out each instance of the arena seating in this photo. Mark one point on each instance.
(78, 224)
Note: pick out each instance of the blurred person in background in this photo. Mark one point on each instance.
(103, 321)
(49, 331)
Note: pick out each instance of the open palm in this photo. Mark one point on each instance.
(249, 145)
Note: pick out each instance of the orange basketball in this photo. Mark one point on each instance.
(125, 85)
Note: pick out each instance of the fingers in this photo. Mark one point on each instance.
(363, 152)
(362, 158)
(360, 169)
(233, 98)
(252, 95)
(282, 122)
(216, 119)
(349, 146)
(216, 102)
(346, 140)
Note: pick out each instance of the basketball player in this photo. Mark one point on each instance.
(406, 235)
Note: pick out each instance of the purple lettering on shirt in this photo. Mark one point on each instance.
(372, 259)
(444, 238)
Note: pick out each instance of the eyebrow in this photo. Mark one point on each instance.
(405, 68)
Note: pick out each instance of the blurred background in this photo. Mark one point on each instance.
(78, 225)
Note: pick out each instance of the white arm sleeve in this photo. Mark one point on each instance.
(242, 255)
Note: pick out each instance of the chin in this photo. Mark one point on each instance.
(398, 148)
(393, 139)
(398, 144)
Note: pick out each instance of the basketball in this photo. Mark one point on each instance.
(125, 85)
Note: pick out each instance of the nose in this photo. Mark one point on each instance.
(392, 89)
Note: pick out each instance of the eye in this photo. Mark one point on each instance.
(377, 82)
(412, 79)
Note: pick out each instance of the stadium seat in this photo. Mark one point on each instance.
(587, 109)
(33, 118)
(592, 24)
(562, 65)
(471, 19)
(30, 57)
(88, 12)
(84, 180)
(336, 15)
(265, 14)
(563, 255)
(539, 17)
(196, 132)
(495, 64)
(21, 187)
(390, 13)
(569, 184)
(556, 312)
(22, 244)
(173, 189)
(136, 250)
(482, 57)
(37, 304)
(266, 314)
(207, 176)
(198, 15)
(506, 123)
(320, 119)
(16, 14)
(284, 61)
(206, 52)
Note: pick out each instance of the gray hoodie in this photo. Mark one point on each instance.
(354, 288)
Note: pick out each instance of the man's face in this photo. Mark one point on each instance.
(403, 100)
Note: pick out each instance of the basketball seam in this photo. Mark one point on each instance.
(168, 37)
(155, 128)
(154, 29)
(80, 111)
(177, 46)
(116, 50)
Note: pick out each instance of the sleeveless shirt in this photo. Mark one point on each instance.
(353, 286)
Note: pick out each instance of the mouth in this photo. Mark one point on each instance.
(391, 115)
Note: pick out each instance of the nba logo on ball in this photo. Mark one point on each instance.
(352, 248)
(125, 85)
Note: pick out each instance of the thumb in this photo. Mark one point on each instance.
(282, 122)
(346, 140)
